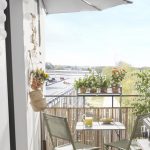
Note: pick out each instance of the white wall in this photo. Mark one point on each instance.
(27, 122)
(18, 71)
(4, 122)
(33, 118)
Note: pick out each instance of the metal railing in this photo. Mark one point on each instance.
(70, 98)
(94, 138)
(72, 107)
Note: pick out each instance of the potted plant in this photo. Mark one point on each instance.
(118, 75)
(104, 84)
(38, 77)
(92, 83)
(81, 84)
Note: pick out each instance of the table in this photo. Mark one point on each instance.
(144, 144)
(117, 126)
(101, 126)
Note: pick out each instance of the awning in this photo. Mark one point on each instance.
(66, 6)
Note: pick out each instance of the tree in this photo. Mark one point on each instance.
(142, 103)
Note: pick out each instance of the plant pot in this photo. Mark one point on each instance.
(36, 84)
(37, 102)
(103, 90)
(82, 90)
(93, 90)
(115, 89)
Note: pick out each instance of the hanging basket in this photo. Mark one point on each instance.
(37, 102)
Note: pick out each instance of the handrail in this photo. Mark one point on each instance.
(90, 107)
(109, 95)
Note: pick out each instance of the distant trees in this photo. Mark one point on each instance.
(48, 66)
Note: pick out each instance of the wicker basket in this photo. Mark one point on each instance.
(37, 102)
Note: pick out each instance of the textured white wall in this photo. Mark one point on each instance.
(36, 60)
(18, 54)
(4, 122)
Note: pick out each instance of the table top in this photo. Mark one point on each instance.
(101, 126)
(144, 144)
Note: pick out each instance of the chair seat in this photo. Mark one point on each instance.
(123, 145)
(79, 146)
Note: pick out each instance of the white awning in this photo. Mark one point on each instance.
(66, 6)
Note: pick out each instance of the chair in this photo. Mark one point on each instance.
(129, 144)
(58, 128)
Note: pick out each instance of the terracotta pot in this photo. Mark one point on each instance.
(82, 90)
(115, 89)
(36, 84)
(104, 90)
(93, 90)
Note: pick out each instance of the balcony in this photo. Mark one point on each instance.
(71, 106)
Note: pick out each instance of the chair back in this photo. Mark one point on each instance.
(58, 127)
(137, 126)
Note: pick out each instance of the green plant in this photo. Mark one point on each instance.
(104, 82)
(142, 103)
(118, 75)
(38, 78)
(80, 83)
(92, 81)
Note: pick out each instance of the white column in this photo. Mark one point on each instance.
(18, 71)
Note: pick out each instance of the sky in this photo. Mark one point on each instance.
(100, 38)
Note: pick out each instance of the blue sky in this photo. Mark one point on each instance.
(98, 38)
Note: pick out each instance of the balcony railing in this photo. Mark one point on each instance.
(71, 107)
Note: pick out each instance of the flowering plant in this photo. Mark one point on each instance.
(118, 75)
(38, 78)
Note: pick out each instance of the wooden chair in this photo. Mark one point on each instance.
(58, 128)
(128, 144)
